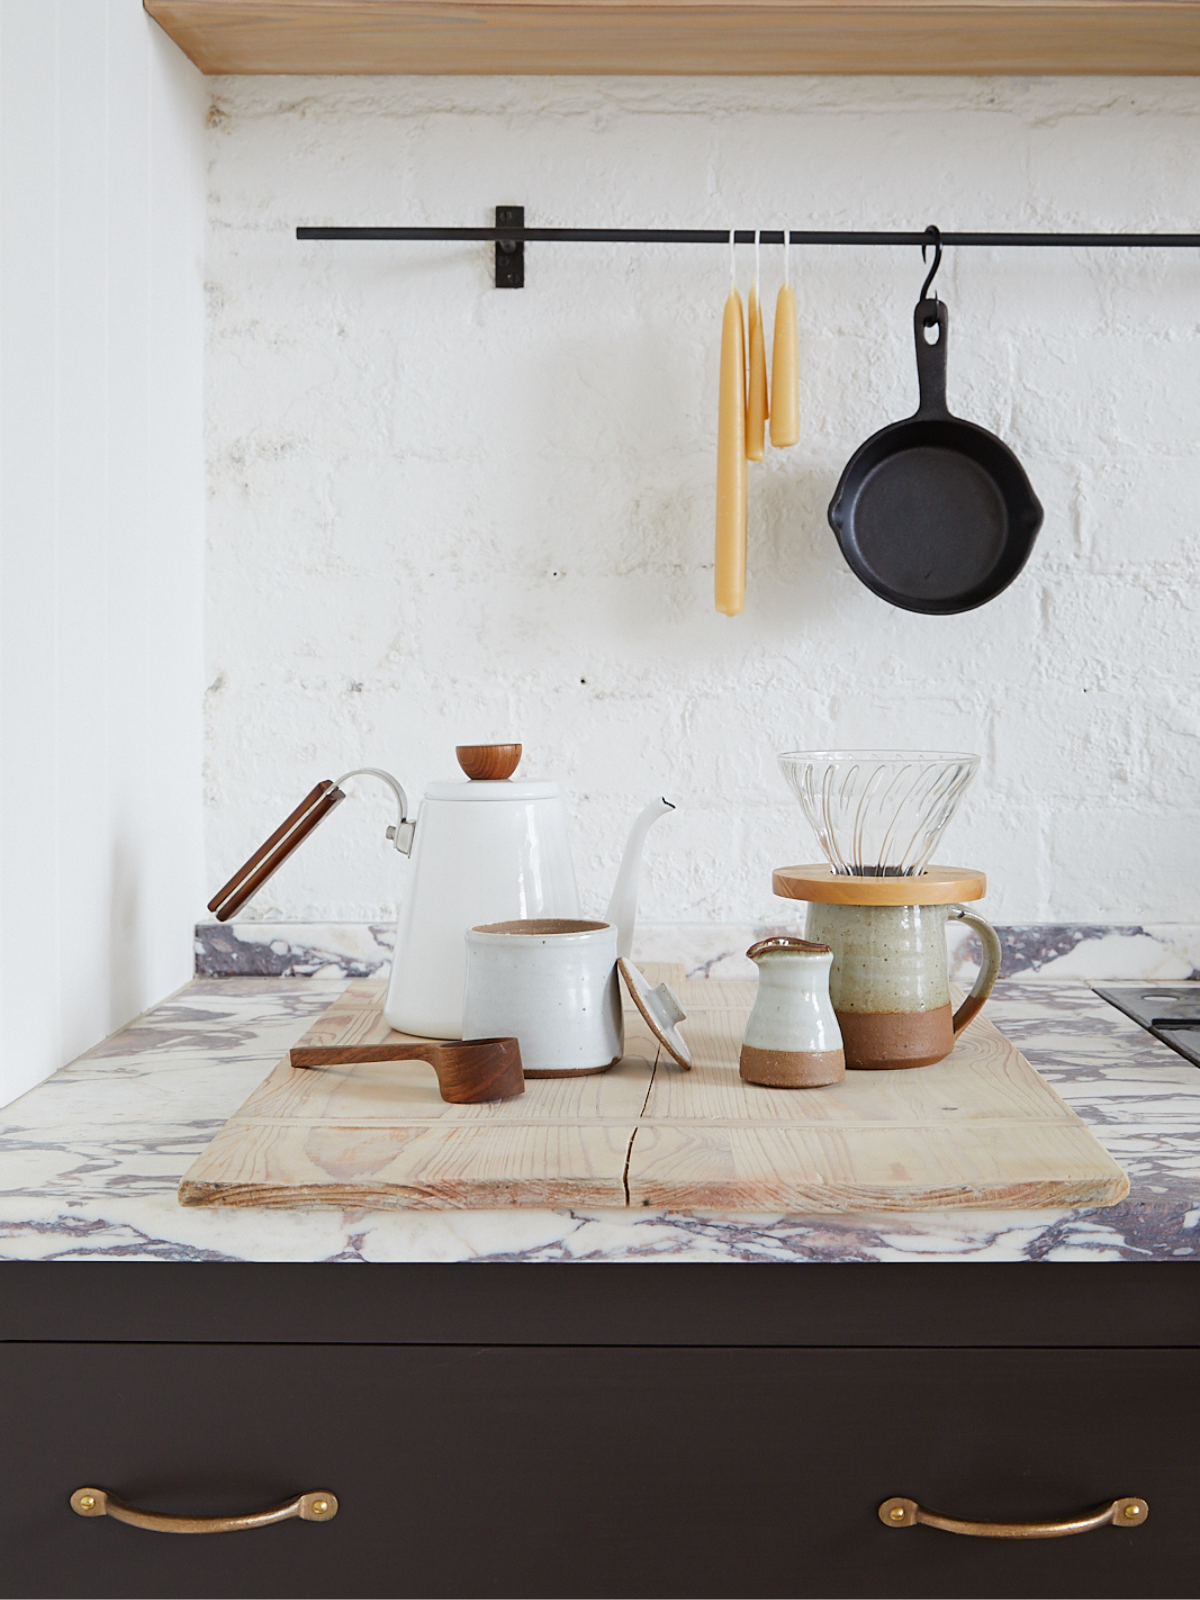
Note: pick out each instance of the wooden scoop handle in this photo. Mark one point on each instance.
(469, 1071)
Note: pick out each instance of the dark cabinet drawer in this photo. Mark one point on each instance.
(500, 1471)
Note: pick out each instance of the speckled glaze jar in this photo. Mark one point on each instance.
(889, 981)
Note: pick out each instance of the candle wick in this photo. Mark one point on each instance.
(732, 264)
(757, 242)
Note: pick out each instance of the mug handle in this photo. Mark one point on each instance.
(988, 972)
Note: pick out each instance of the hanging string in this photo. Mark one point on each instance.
(787, 258)
(757, 257)
(732, 262)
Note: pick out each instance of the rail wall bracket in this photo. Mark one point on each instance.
(510, 253)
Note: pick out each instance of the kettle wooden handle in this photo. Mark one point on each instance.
(273, 852)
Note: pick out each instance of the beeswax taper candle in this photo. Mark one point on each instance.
(785, 366)
(757, 406)
(731, 462)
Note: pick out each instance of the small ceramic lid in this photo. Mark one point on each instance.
(661, 1012)
(540, 930)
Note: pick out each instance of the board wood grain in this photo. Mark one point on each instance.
(980, 1129)
(685, 36)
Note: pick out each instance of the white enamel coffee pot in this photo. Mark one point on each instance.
(484, 850)
(492, 849)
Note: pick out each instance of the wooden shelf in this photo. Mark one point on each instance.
(977, 37)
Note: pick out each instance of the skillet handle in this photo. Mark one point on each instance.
(931, 358)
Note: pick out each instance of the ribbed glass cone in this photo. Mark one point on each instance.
(878, 813)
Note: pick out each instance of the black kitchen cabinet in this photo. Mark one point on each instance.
(632, 1430)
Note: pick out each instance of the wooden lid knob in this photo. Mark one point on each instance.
(480, 761)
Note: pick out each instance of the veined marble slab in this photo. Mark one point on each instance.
(1095, 952)
(90, 1160)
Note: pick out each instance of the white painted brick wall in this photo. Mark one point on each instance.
(441, 513)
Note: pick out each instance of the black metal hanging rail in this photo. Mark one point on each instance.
(1147, 241)
(510, 236)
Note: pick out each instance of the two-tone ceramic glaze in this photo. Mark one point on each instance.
(889, 982)
(792, 1038)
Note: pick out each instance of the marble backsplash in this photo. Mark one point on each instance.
(1101, 953)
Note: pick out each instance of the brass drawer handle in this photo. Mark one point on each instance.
(319, 1506)
(1124, 1513)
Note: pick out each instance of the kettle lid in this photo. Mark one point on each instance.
(484, 789)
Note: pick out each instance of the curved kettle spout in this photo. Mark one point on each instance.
(622, 908)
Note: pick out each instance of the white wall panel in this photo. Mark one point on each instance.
(30, 862)
(101, 508)
(78, 715)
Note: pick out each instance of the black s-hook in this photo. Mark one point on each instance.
(935, 239)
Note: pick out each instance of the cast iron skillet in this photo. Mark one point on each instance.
(935, 514)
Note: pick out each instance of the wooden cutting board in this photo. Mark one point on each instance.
(979, 1129)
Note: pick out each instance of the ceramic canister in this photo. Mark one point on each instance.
(551, 983)
(792, 1040)
(889, 981)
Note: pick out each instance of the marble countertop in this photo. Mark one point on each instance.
(91, 1159)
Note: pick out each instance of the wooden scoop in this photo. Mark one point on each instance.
(469, 1071)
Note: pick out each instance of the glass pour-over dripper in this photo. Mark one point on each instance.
(878, 813)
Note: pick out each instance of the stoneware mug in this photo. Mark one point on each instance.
(792, 1039)
(889, 981)
(552, 984)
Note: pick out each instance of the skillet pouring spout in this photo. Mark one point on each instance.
(935, 514)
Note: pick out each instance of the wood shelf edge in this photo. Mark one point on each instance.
(673, 37)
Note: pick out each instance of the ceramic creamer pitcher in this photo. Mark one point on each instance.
(792, 1039)
(889, 981)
